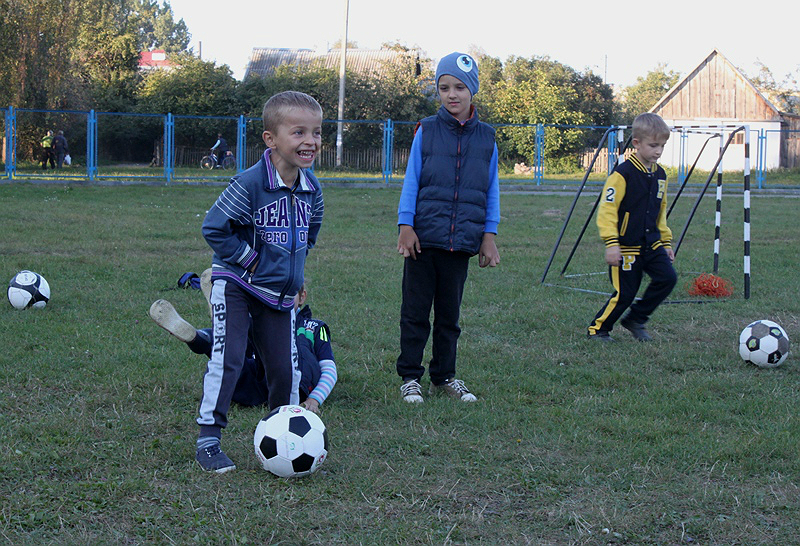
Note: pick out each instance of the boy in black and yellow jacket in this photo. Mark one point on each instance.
(632, 220)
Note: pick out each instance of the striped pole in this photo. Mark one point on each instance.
(718, 215)
(747, 212)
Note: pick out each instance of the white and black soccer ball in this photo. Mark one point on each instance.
(764, 343)
(28, 289)
(291, 442)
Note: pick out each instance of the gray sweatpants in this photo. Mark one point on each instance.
(235, 312)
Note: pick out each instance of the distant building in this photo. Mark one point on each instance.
(264, 60)
(717, 93)
(157, 58)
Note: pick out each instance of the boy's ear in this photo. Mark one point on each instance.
(268, 138)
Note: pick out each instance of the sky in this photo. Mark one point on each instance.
(619, 45)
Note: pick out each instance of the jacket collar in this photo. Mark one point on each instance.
(640, 166)
(451, 121)
(273, 181)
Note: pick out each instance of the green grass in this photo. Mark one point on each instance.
(671, 442)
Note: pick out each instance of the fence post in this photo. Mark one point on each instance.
(388, 148)
(762, 149)
(91, 145)
(612, 150)
(11, 142)
(538, 166)
(241, 144)
(169, 147)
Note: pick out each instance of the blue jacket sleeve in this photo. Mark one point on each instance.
(231, 208)
(493, 197)
(407, 208)
(315, 223)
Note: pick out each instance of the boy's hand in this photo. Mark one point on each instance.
(488, 254)
(311, 405)
(613, 255)
(408, 242)
(671, 254)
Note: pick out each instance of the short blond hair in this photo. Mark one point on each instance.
(650, 125)
(277, 105)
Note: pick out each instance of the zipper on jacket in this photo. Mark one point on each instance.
(455, 194)
(292, 234)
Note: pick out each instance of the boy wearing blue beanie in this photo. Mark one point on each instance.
(449, 211)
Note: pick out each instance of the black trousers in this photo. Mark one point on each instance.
(626, 280)
(435, 279)
(48, 155)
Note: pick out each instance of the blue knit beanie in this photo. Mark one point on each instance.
(461, 66)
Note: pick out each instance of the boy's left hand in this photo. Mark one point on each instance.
(311, 405)
(488, 256)
(671, 254)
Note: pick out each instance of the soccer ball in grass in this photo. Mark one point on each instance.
(764, 343)
(28, 289)
(291, 442)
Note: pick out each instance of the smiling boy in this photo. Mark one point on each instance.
(632, 220)
(260, 229)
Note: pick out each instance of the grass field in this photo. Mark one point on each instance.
(673, 442)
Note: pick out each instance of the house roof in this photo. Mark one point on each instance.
(156, 58)
(264, 60)
(732, 72)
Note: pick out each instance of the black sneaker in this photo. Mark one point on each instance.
(411, 391)
(600, 337)
(636, 328)
(213, 459)
(454, 388)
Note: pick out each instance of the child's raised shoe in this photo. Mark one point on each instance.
(213, 459)
(454, 388)
(411, 391)
(205, 286)
(165, 315)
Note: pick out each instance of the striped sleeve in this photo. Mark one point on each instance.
(231, 208)
(327, 380)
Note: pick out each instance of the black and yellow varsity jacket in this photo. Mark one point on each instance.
(633, 208)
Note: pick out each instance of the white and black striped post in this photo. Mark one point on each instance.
(718, 215)
(746, 212)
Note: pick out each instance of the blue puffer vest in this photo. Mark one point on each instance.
(451, 203)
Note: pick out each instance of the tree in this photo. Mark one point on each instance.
(645, 93)
(784, 94)
(541, 91)
(157, 28)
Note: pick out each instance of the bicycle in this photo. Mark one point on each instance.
(211, 161)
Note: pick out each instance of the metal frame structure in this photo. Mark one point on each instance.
(717, 169)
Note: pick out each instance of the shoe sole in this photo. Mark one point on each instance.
(165, 315)
(205, 287)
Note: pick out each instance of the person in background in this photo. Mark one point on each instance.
(48, 155)
(61, 148)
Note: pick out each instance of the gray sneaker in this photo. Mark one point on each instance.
(213, 459)
(165, 315)
(454, 388)
(412, 391)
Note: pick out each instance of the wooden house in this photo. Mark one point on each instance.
(717, 94)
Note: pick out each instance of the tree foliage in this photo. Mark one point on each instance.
(785, 94)
(645, 93)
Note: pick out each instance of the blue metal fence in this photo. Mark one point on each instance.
(172, 124)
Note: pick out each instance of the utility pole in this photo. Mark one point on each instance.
(342, 66)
